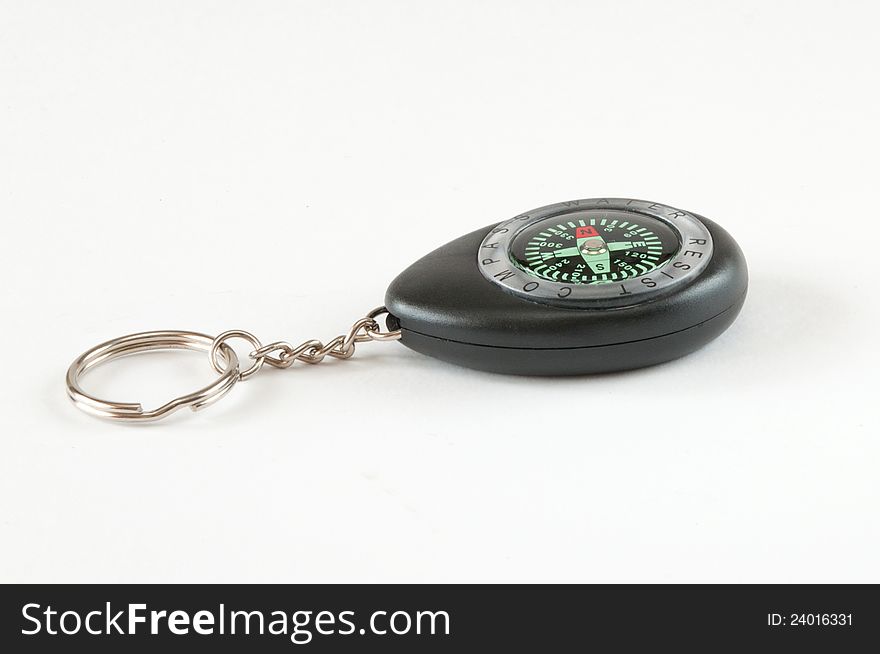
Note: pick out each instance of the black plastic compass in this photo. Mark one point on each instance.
(577, 287)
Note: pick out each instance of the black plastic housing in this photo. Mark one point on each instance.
(448, 310)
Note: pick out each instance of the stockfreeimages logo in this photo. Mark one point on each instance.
(300, 626)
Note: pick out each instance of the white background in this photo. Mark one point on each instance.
(272, 166)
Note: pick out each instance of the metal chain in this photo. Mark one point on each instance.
(282, 354)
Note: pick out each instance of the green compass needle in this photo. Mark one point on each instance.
(598, 263)
(595, 253)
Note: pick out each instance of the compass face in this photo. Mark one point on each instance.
(596, 253)
(594, 247)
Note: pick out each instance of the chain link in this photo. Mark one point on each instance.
(282, 354)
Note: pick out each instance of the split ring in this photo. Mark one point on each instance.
(144, 342)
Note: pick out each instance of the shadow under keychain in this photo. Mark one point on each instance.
(587, 286)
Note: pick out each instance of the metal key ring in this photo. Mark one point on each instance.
(143, 342)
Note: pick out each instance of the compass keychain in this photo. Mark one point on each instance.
(587, 286)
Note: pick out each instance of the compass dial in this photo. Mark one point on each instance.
(594, 247)
(596, 254)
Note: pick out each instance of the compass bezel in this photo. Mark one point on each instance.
(497, 265)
